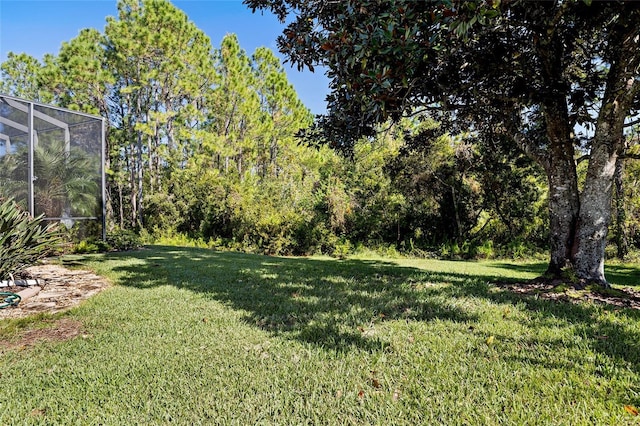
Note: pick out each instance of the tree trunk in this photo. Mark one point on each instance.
(273, 154)
(152, 154)
(133, 165)
(458, 226)
(607, 144)
(563, 213)
(140, 170)
(595, 214)
(121, 202)
(564, 202)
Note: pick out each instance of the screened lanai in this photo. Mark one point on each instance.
(52, 163)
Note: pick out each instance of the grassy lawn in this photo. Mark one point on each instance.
(192, 336)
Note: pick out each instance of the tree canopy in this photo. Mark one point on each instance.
(560, 79)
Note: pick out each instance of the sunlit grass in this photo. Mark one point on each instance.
(193, 336)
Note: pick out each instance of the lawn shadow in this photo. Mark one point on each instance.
(623, 275)
(331, 303)
(608, 330)
(537, 268)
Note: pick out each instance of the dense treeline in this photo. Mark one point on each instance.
(201, 143)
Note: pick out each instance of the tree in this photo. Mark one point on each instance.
(532, 72)
(282, 114)
(77, 77)
(20, 76)
(234, 108)
(463, 192)
(162, 67)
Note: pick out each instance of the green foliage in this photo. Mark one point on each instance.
(123, 240)
(91, 245)
(202, 150)
(530, 74)
(20, 73)
(485, 250)
(23, 240)
(67, 180)
(342, 249)
(86, 246)
(161, 212)
(162, 67)
(77, 76)
(377, 55)
(628, 207)
(323, 203)
(202, 144)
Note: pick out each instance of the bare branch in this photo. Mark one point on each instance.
(583, 158)
(629, 157)
(632, 123)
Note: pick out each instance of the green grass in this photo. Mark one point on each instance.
(193, 336)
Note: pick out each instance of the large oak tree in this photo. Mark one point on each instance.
(559, 78)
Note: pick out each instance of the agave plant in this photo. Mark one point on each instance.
(23, 240)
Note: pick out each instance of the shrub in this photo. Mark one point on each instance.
(23, 240)
(486, 250)
(161, 212)
(122, 240)
(342, 249)
(91, 245)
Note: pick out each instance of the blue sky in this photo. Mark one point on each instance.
(37, 27)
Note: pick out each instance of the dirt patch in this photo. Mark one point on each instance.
(558, 291)
(63, 289)
(54, 331)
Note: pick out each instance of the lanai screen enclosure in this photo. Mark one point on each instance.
(52, 163)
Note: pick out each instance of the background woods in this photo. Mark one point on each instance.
(202, 143)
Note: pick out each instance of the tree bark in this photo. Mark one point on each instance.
(121, 205)
(596, 197)
(140, 169)
(579, 221)
(619, 232)
(564, 208)
(563, 204)
(595, 213)
(560, 166)
(608, 143)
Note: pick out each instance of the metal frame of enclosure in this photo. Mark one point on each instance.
(52, 162)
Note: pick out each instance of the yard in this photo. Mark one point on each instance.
(195, 336)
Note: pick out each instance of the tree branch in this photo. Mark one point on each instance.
(583, 158)
(532, 150)
(632, 123)
(629, 157)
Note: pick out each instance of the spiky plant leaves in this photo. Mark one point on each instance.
(23, 240)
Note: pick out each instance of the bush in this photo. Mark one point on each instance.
(342, 249)
(122, 240)
(23, 240)
(91, 245)
(161, 212)
(485, 251)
